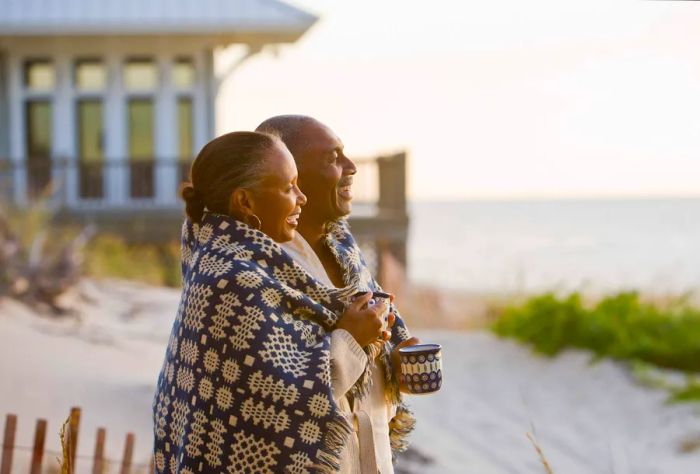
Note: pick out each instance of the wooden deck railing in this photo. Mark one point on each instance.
(139, 199)
(140, 184)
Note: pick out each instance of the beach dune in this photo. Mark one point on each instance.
(586, 418)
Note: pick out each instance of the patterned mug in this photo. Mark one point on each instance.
(421, 368)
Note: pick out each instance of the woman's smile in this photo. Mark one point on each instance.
(293, 219)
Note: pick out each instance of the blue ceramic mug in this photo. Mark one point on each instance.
(421, 368)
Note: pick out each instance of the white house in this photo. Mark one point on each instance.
(108, 100)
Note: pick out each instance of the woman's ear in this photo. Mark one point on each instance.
(241, 203)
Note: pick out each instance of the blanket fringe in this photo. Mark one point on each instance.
(403, 423)
(391, 383)
(335, 439)
(399, 428)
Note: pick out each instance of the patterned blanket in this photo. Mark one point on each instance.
(246, 382)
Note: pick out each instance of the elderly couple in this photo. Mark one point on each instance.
(278, 361)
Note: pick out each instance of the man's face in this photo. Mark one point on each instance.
(325, 173)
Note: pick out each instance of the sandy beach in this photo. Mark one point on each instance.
(587, 418)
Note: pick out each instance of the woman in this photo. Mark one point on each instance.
(246, 382)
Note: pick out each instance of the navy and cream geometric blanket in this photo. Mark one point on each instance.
(246, 382)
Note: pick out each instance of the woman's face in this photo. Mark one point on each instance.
(277, 200)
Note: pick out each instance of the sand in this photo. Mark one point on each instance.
(586, 418)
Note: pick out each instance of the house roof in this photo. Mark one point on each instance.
(152, 17)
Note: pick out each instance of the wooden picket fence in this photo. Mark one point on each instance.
(69, 441)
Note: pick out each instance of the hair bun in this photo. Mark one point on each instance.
(194, 206)
(189, 193)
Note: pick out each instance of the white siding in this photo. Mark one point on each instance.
(113, 53)
(67, 30)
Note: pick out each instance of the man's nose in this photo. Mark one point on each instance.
(349, 166)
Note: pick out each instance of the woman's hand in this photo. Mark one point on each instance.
(362, 322)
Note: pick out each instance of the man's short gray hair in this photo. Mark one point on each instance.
(288, 129)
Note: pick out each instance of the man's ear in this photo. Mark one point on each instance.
(241, 203)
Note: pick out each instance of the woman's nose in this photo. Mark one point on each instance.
(301, 197)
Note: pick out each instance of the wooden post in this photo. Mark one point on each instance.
(393, 202)
(8, 443)
(128, 454)
(392, 183)
(38, 449)
(98, 461)
(74, 426)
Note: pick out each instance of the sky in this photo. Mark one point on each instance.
(495, 100)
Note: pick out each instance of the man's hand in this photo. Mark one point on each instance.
(396, 360)
(363, 323)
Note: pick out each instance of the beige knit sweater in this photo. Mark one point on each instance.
(348, 361)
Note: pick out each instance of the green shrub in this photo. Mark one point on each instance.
(689, 393)
(621, 326)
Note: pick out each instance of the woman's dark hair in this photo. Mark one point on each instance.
(226, 163)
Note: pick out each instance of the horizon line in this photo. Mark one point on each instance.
(539, 198)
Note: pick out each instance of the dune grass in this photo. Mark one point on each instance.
(111, 256)
(31, 242)
(622, 326)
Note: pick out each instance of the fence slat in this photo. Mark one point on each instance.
(128, 454)
(98, 462)
(38, 449)
(74, 428)
(8, 443)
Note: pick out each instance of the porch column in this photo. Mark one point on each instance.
(205, 100)
(165, 134)
(63, 152)
(16, 136)
(4, 111)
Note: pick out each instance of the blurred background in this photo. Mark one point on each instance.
(527, 184)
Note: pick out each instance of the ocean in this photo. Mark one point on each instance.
(528, 246)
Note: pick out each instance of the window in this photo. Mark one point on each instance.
(141, 147)
(184, 128)
(91, 155)
(38, 135)
(39, 75)
(141, 129)
(140, 75)
(90, 75)
(183, 74)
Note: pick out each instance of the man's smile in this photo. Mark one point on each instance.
(345, 188)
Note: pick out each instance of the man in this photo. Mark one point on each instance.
(325, 248)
